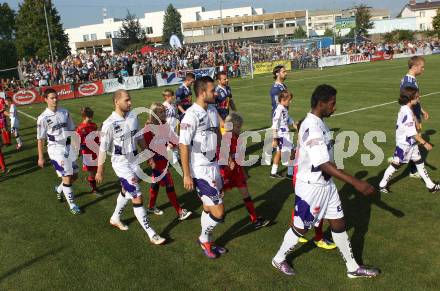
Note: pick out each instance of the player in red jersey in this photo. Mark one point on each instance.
(86, 127)
(3, 168)
(157, 136)
(233, 174)
(4, 123)
(319, 239)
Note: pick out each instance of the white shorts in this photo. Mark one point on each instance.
(129, 180)
(286, 147)
(63, 166)
(405, 153)
(314, 203)
(209, 184)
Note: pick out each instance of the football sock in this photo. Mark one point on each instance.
(8, 137)
(289, 242)
(290, 171)
(141, 215)
(121, 202)
(19, 141)
(171, 193)
(2, 162)
(60, 188)
(208, 222)
(153, 197)
(318, 232)
(250, 208)
(343, 243)
(412, 168)
(387, 176)
(424, 174)
(68, 193)
(274, 169)
(92, 182)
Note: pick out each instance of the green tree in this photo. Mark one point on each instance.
(7, 21)
(131, 30)
(171, 24)
(436, 23)
(389, 36)
(404, 35)
(328, 32)
(299, 33)
(363, 19)
(31, 33)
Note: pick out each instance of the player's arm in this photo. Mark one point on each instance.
(418, 137)
(187, 132)
(106, 140)
(41, 136)
(179, 96)
(232, 104)
(40, 146)
(363, 187)
(276, 122)
(220, 119)
(425, 113)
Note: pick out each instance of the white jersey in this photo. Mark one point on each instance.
(315, 147)
(118, 138)
(13, 116)
(281, 120)
(406, 127)
(171, 111)
(57, 128)
(198, 130)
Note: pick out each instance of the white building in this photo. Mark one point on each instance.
(389, 25)
(102, 36)
(424, 13)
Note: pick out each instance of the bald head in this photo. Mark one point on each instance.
(118, 94)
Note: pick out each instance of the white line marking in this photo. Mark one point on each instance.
(27, 115)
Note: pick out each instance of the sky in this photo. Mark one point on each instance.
(82, 12)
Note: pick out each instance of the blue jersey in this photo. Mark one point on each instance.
(183, 97)
(223, 95)
(274, 93)
(410, 81)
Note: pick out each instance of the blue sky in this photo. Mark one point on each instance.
(80, 12)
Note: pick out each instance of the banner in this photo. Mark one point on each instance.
(345, 22)
(176, 78)
(333, 61)
(89, 89)
(127, 83)
(64, 91)
(267, 67)
(381, 56)
(25, 96)
(359, 58)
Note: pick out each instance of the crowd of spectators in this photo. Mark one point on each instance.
(81, 68)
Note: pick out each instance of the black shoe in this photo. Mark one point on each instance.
(385, 189)
(276, 176)
(435, 189)
(261, 222)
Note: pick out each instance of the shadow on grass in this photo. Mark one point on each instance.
(29, 263)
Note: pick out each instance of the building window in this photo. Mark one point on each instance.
(149, 30)
(422, 13)
(280, 25)
(86, 37)
(108, 35)
(290, 24)
(115, 34)
(269, 26)
(238, 28)
(248, 28)
(93, 36)
(422, 26)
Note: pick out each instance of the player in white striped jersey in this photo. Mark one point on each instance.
(407, 138)
(172, 119)
(56, 126)
(199, 137)
(316, 196)
(282, 139)
(120, 138)
(15, 122)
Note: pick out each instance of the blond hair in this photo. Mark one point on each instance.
(234, 118)
(160, 111)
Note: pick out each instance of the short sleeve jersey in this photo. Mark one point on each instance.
(83, 130)
(281, 120)
(406, 127)
(223, 96)
(275, 92)
(171, 112)
(315, 147)
(183, 97)
(199, 129)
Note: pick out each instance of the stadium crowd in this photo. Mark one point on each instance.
(81, 68)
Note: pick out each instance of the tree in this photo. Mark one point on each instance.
(171, 24)
(8, 54)
(404, 35)
(7, 21)
(363, 19)
(389, 36)
(31, 33)
(300, 33)
(436, 23)
(328, 32)
(131, 30)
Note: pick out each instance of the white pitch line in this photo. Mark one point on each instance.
(27, 115)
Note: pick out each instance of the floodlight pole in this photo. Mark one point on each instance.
(48, 33)
(221, 28)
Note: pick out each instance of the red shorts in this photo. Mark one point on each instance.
(166, 181)
(233, 178)
(90, 168)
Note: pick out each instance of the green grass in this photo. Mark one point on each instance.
(44, 247)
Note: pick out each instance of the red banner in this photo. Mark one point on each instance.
(381, 56)
(358, 58)
(64, 91)
(89, 89)
(25, 96)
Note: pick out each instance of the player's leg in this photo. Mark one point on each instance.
(18, 139)
(420, 165)
(2, 160)
(276, 160)
(319, 239)
(92, 182)
(68, 193)
(400, 157)
(154, 192)
(121, 203)
(142, 217)
(256, 220)
(290, 165)
(182, 213)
